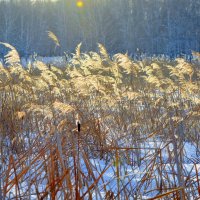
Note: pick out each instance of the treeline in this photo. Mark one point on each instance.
(170, 27)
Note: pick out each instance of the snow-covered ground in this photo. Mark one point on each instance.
(130, 175)
(58, 61)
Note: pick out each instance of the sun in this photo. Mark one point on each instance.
(79, 4)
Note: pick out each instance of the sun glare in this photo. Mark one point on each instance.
(79, 4)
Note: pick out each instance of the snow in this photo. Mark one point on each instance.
(130, 174)
(58, 61)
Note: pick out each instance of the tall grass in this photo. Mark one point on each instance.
(123, 106)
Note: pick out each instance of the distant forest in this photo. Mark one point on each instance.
(151, 27)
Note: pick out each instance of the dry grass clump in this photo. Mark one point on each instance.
(122, 104)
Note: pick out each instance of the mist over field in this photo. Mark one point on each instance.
(169, 27)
